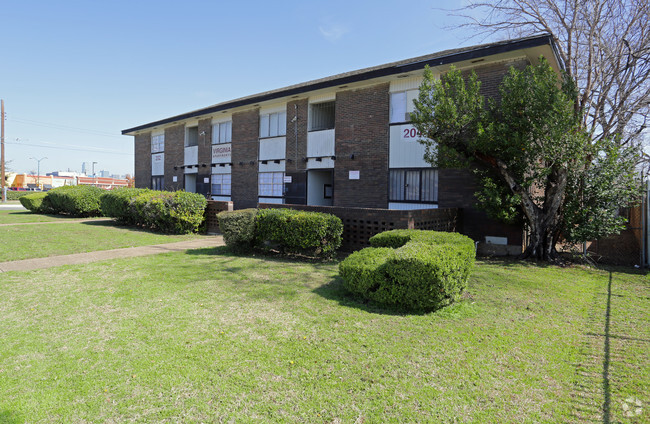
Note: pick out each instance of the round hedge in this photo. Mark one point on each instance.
(413, 269)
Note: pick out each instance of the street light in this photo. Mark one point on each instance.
(94, 163)
(38, 173)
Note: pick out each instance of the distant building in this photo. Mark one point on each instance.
(104, 174)
(64, 174)
(86, 168)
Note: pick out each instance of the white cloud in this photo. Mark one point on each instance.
(333, 31)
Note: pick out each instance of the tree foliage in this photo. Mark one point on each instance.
(534, 153)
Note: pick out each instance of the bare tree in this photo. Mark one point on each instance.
(604, 44)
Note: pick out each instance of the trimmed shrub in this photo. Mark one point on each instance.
(117, 204)
(238, 228)
(79, 200)
(298, 232)
(417, 270)
(176, 212)
(33, 201)
(16, 195)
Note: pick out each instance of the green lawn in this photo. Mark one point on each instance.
(211, 337)
(21, 217)
(43, 240)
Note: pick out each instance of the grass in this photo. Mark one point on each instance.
(49, 239)
(23, 217)
(212, 337)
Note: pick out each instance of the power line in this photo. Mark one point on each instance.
(75, 148)
(64, 127)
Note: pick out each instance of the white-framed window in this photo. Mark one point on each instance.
(322, 116)
(273, 124)
(271, 184)
(401, 106)
(222, 132)
(191, 136)
(221, 184)
(158, 143)
(413, 185)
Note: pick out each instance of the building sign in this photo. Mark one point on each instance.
(221, 153)
(158, 164)
(288, 179)
(353, 175)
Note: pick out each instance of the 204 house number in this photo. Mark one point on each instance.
(410, 133)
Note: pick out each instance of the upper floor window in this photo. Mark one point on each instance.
(158, 143)
(273, 124)
(321, 116)
(222, 132)
(401, 106)
(192, 136)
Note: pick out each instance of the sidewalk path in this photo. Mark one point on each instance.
(101, 255)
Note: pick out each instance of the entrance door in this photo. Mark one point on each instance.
(320, 187)
(190, 183)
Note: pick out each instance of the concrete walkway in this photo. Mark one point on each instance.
(101, 255)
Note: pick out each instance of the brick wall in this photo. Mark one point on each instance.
(174, 154)
(211, 211)
(245, 141)
(362, 130)
(359, 224)
(491, 75)
(142, 165)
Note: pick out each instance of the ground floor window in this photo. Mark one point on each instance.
(158, 183)
(414, 185)
(271, 184)
(221, 184)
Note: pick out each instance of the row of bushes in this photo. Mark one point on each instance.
(15, 195)
(169, 212)
(414, 269)
(287, 231)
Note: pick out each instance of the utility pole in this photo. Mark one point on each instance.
(2, 150)
(38, 173)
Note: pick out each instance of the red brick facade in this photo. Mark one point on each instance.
(142, 169)
(245, 146)
(362, 145)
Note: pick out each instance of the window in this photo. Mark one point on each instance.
(273, 124)
(158, 143)
(221, 184)
(271, 184)
(401, 106)
(321, 116)
(222, 132)
(414, 185)
(192, 136)
(158, 183)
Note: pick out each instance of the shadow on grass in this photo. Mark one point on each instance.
(602, 363)
(8, 417)
(334, 290)
(511, 262)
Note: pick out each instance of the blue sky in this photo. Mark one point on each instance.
(73, 74)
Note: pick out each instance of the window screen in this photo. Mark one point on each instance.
(192, 137)
(322, 116)
(158, 143)
(413, 185)
(398, 107)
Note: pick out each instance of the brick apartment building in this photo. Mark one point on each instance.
(344, 140)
